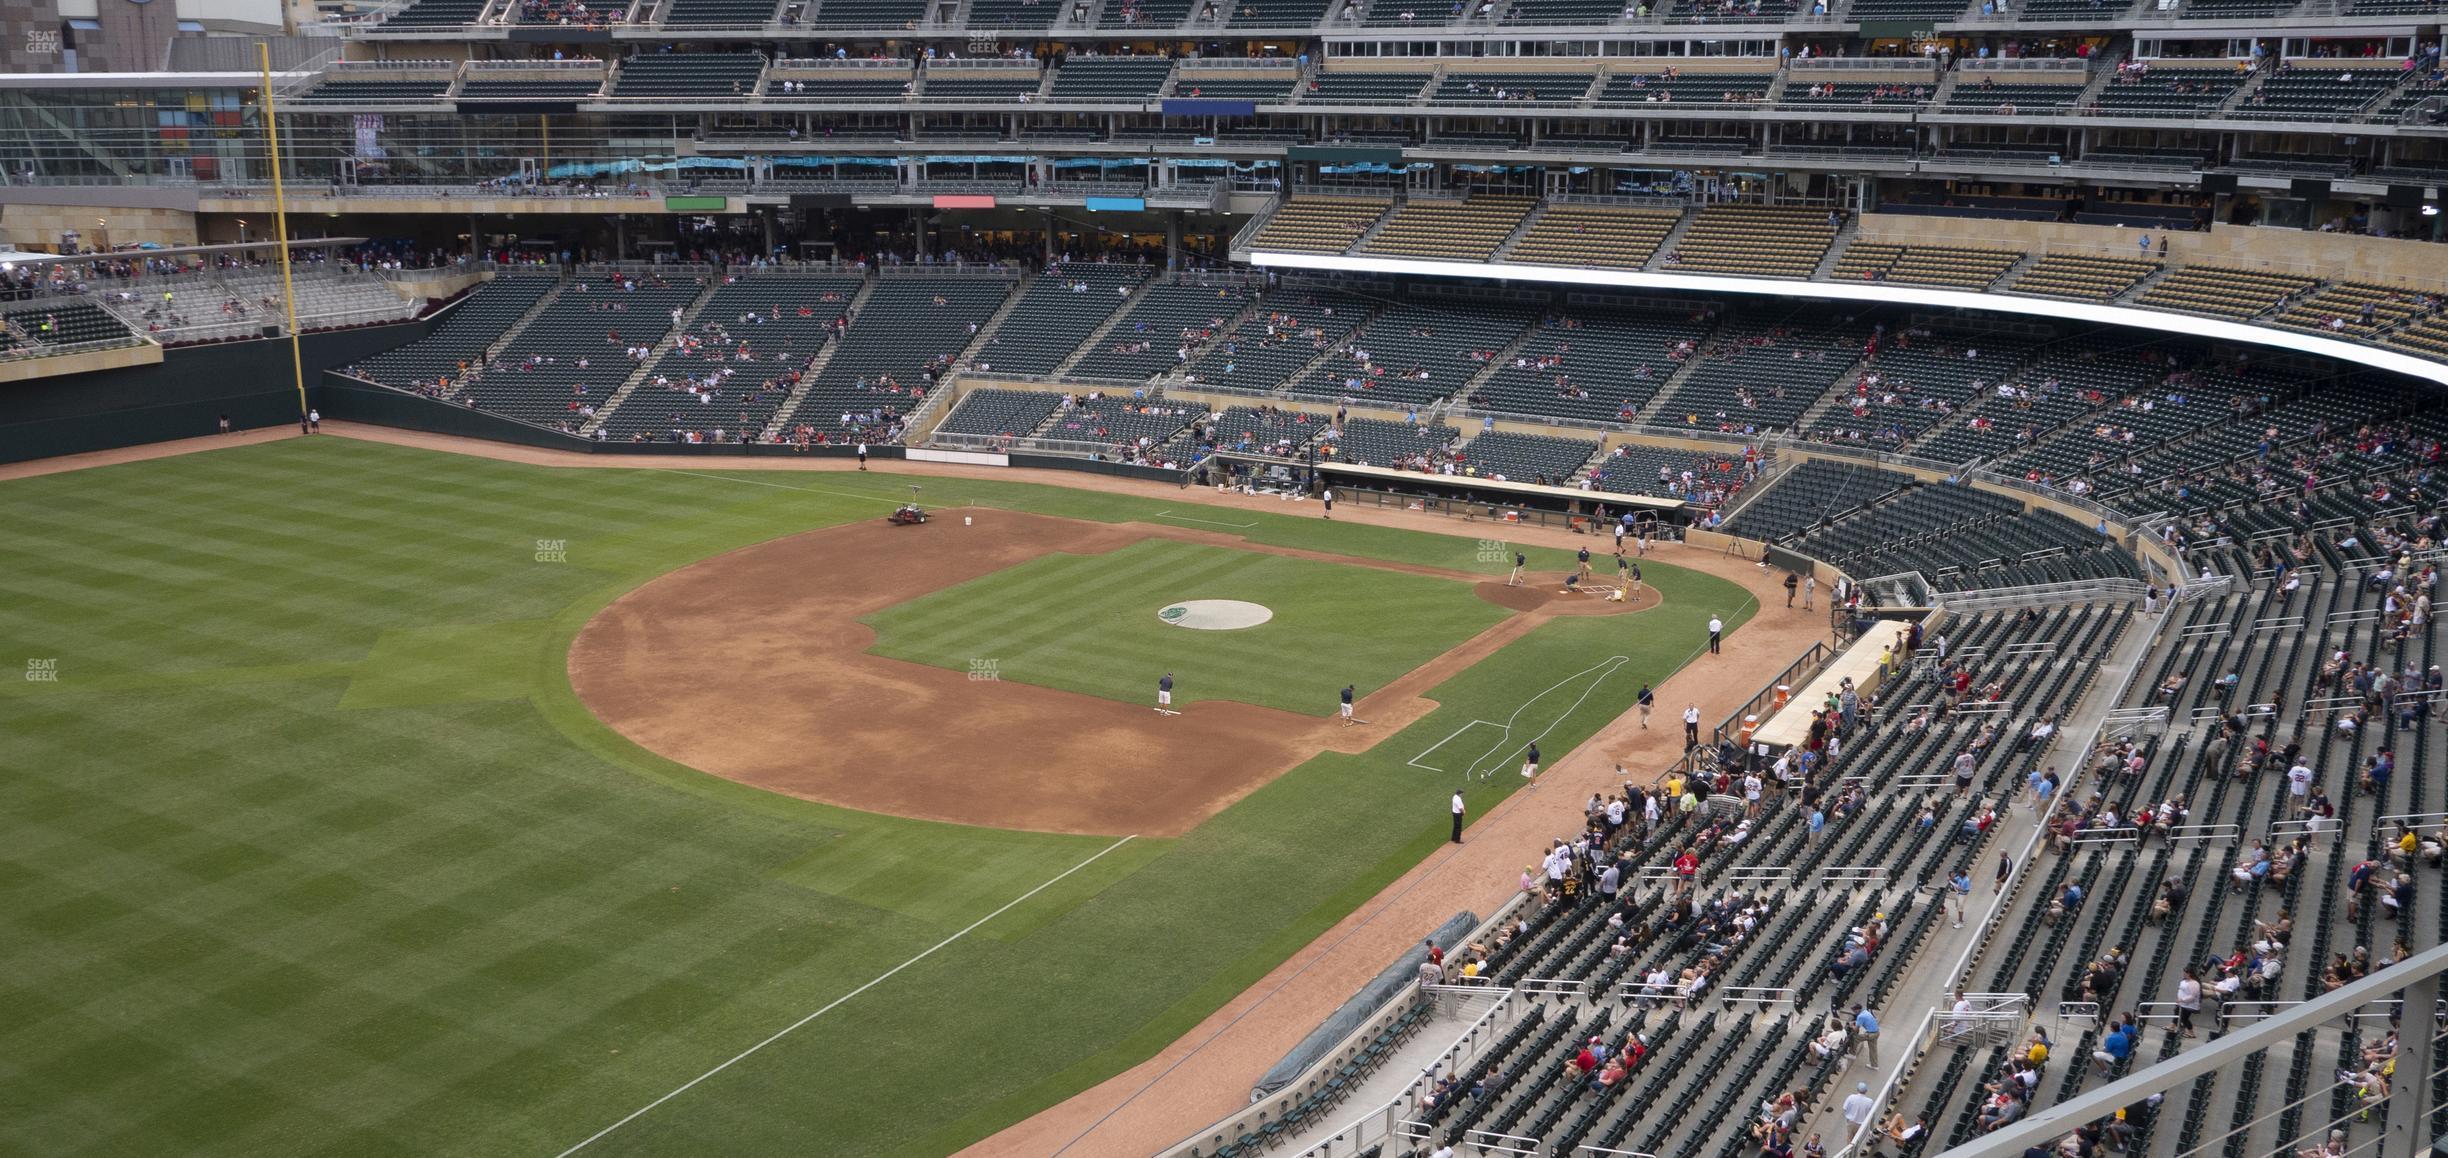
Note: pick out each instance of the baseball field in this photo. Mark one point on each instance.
(368, 800)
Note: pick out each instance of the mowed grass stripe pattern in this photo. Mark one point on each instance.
(340, 887)
(1088, 623)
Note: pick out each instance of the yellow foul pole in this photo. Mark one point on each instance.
(280, 226)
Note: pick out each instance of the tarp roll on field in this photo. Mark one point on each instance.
(1397, 978)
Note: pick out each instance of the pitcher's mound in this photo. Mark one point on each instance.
(1215, 614)
(1545, 591)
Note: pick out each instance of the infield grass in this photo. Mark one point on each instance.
(310, 849)
(1088, 623)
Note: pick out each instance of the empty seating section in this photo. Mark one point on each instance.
(1449, 231)
(2415, 93)
(2230, 293)
(1412, 354)
(1530, 458)
(1319, 224)
(1676, 88)
(1599, 367)
(744, 354)
(1284, 331)
(2352, 310)
(1542, 11)
(1256, 90)
(2168, 90)
(715, 12)
(1167, 322)
(1757, 375)
(1365, 88)
(1959, 268)
(1964, 539)
(2082, 277)
(1506, 87)
(993, 413)
(1811, 494)
(1000, 86)
(1589, 235)
(1275, 13)
(868, 13)
(2312, 94)
(911, 327)
(1134, 79)
(2426, 336)
(1704, 478)
(377, 91)
(1013, 15)
(1989, 96)
(1056, 313)
(839, 88)
(2232, 9)
(436, 14)
(688, 74)
(1392, 445)
(570, 358)
(530, 90)
(1905, 10)
(1753, 241)
(437, 362)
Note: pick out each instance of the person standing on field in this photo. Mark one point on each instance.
(1457, 815)
(1519, 561)
(1716, 636)
(1691, 726)
(862, 454)
(1164, 691)
(1328, 495)
(1530, 763)
(1347, 705)
(1648, 701)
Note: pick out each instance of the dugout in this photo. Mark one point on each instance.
(1497, 500)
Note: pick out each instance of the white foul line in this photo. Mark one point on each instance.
(1168, 514)
(880, 979)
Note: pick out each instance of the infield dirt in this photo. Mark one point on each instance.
(753, 666)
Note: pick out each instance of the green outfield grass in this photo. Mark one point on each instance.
(1088, 623)
(310, 849)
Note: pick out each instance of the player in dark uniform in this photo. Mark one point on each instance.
(1347, 705)
(1164, 693)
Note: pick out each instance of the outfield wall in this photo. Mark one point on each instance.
(182, 396)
